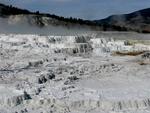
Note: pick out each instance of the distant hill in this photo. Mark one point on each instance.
(15, 20)
(138, 21)
(19, 20)
(6, 11)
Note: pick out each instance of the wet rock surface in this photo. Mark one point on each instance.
(72, 74)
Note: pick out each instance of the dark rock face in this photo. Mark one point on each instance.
(51, 76)
(146, 55)
(44, 78)
(71, 80)
(26, 96)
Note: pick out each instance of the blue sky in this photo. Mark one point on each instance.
(86, 9)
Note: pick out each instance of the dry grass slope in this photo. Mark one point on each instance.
(133, 53)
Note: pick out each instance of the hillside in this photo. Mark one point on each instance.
(138, 21)
(15, 20)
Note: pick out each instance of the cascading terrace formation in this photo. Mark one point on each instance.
(86, 73)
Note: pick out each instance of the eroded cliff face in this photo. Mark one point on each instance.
(73, 74)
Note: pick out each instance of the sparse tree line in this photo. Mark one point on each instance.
(6, 10)
(10, 10)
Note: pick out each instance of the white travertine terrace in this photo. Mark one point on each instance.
(73, 74)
